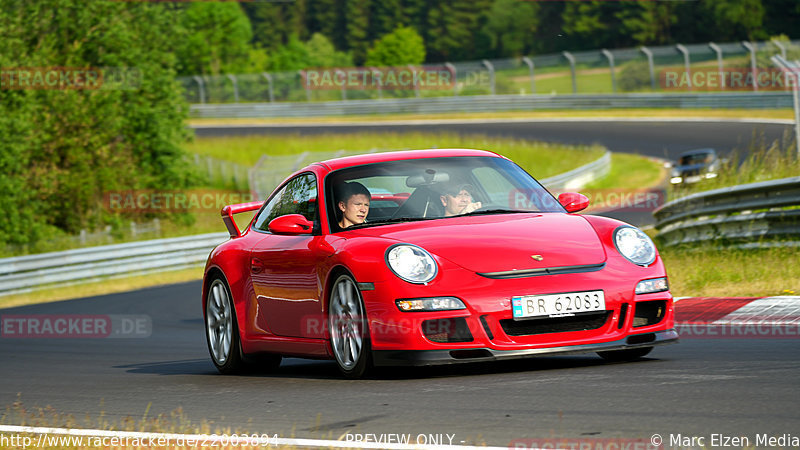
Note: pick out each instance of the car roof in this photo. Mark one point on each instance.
(698, 151)
(370, 158)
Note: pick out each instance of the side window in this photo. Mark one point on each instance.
(298, 196)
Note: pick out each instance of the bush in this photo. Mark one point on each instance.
(400, 47)
(634, 76)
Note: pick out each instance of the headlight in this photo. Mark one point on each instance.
(411, 263)
(634, 245)
(430, 304)
(652, 285)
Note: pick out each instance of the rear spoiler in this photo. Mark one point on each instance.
(230, 210)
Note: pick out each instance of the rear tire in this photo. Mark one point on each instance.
(625, 355)
(348, 328)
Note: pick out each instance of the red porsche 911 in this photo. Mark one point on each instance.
(429, 257)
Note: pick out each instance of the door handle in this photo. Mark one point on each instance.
(256, 265)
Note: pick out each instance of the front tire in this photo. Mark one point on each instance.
(348, 327)
(625, 355)
(222, 330)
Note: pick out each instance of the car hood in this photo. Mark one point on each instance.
(500, 243)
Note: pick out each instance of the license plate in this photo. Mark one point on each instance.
(557, 305)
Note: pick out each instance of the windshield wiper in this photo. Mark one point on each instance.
(494, 211)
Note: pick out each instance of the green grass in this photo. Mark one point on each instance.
(706, 271)
(540, 159)
(630, 172)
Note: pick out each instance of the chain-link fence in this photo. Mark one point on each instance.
(737, 66)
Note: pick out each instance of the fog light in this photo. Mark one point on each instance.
(653, 285)
(430, 304)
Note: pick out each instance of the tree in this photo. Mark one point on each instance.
(321, 53)
(274, 23)
(217, 39)
(61, 150)
(400, 47)
(316, 52)
(453, 27)
(357, 28)
(739, 16)
(648, 22)
(511, 27)
(292, 56)
(594, 24)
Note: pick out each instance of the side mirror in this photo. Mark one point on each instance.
(573, 202)
(292, 224)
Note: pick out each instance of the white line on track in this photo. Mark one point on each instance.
(173, 438)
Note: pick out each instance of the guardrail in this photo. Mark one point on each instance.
(745, 213)
(493, 103)
(25, 273)
(577, 178)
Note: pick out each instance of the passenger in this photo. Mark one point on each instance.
(457, 199)
(353, 204)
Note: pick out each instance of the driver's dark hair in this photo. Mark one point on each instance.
(346, 190)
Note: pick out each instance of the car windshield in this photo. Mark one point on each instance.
(436, 188)
(696, 158)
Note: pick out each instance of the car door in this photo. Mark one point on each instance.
(284, 268)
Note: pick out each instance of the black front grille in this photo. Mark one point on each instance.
(649, 313)
(582, 322)
(446, 331)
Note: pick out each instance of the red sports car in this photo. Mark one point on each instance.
(429, 257)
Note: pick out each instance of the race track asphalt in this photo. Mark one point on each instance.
(697, 387)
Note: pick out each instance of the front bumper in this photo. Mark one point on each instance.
(469, 355)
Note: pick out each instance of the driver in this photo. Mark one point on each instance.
(457, 199)
(353, 203)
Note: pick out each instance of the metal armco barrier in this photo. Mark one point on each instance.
(492, 103)
(577, 178)
(24, 273)
(745, 213)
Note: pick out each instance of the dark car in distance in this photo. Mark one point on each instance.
(694, 166)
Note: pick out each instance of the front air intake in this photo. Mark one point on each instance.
(649, 313)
